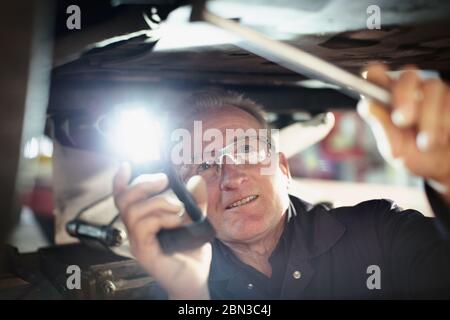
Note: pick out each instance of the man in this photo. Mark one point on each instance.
(274, 246)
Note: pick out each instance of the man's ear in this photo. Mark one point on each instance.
(284, 165)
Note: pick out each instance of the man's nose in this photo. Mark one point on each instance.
(232, 176)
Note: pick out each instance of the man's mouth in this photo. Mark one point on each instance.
(242, 201)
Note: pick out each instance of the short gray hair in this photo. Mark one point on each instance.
(213, 99)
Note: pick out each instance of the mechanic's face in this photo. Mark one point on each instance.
(250, 221)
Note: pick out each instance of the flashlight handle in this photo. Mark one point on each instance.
(185, 196)
(186, 238)
(175, 184)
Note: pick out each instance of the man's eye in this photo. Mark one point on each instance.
(246, 148)
(203, 167)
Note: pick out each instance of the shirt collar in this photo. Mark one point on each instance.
(312, 230)
(316, 230)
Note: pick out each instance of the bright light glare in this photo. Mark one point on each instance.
(136, 135)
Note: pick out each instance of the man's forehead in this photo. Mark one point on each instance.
(227, 117)
(218, 128)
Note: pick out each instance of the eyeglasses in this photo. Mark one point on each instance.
(244, 151)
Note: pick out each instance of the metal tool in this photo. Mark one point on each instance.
(292, 57)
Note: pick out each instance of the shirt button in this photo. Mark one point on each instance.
(250, 286)
(297, 274)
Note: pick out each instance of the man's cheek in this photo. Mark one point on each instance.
(270, 169)
(213, 211)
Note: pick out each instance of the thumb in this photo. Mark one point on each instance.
(390, 139)
(121, 178)
(376, 115)
(197, 187)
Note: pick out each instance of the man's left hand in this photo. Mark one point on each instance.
(415, 130)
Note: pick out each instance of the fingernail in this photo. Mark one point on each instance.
(193, 182)
(181, 212)
(398, 118)
(173, 200)
(153, 176)
(423, 141)
(363, 108)
(150, 177)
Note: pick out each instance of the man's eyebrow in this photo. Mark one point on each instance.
(198, 157)
(220, 150)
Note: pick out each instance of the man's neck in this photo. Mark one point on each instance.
(258, 252)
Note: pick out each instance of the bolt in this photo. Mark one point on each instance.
(109, 287)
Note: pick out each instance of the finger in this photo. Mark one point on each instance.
(137, 211)
(404, 99)
(376, 73)
(144, 234)
(121, 179)
(197, 186)
(446, 117)
(154, 184)
(431, 112)
(392, 142)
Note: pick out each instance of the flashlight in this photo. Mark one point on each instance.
(135, 136)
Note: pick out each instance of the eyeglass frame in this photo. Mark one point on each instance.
(268, 140)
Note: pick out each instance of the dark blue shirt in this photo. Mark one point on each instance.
(373, 250)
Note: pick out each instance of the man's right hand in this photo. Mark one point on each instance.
(145, 211)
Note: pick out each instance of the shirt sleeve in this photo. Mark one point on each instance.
(416, 251)
(441, 210)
